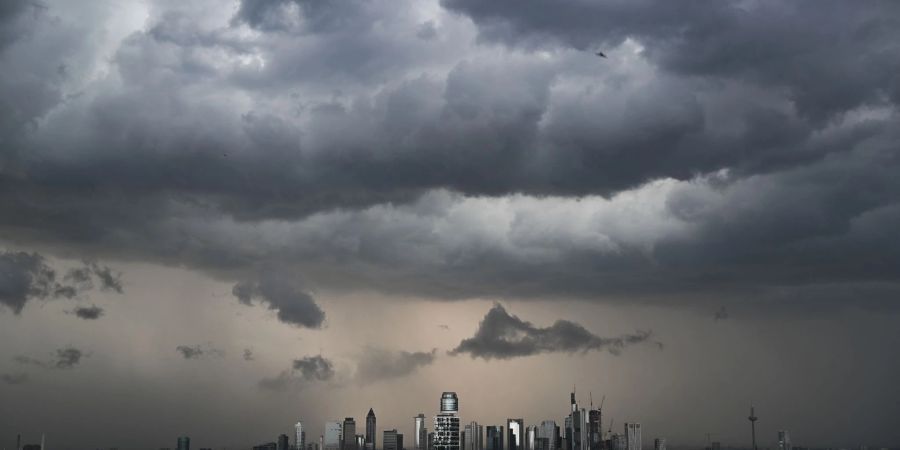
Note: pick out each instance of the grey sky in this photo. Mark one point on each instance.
(368, 197)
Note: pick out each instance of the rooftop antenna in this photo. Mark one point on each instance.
(753, 420)
(610, 425)
(591, 397)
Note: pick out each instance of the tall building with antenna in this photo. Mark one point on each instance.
(753, 420)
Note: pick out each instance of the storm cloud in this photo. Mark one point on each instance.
(294, 306)
(199, 351)
(92, 312)
(501, 335)
(303, 372)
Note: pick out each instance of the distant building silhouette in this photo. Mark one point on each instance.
(371, 431)
(531, 437)
(548, 436)
(659, 444)
(392, 440)
(515, 434)
(784, 440)
(333, 435)
(493, 437)
(299, 436)
(633, 436)
(348, 436)
(595, 432)
(446, 423)
(420, 433)
(184, 443)
(283, 442)
(474, 437)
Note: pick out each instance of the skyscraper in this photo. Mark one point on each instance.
(371, 431)
(349, 434)
(549, 431)
(576, 435)
(493, 437)
(283, 442)
(633, 436)
(659, 444)
(420, 433)
(184, 443)
(446, 423)
(474, 437)
(392, 440)
(299, 436)
(595, 432)
(333, 435)
(531, 437)
(515, 434)
(784, 440)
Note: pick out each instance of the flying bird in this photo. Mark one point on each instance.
(601, 54)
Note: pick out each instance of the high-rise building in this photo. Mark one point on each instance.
(617, 442)
(299, 436)
(392, 440)
(474, 437)
(576, 433)
(349, 434)
(493, 437)
(420, 433)
(550, 432)
(266, 446)
(430, 444)
(283, 442)
(531, 437)
(371, 431)
(659, 444)
(446, 423)
(333, 436)
(784, 440)
(361, 441)
(633, 436)
(595, 431)
(184, 443)
(515, 434)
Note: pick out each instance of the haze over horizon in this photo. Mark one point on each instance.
(220, 217)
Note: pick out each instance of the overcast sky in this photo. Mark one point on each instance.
(220, 217)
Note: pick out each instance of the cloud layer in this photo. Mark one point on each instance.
(501, 335)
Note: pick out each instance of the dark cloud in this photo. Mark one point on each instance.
(68, 358)
(314, 368)
(109, 280)
(815, 50)
(65, 358)
(25, 276)
(377, 364)
(501, 335)
(294, 306)
(14, 378)
(303, 372)
(198, 351)
(92, 312)
(702, 159)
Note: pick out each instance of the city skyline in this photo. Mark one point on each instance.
(598, 437)
(222, 219)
